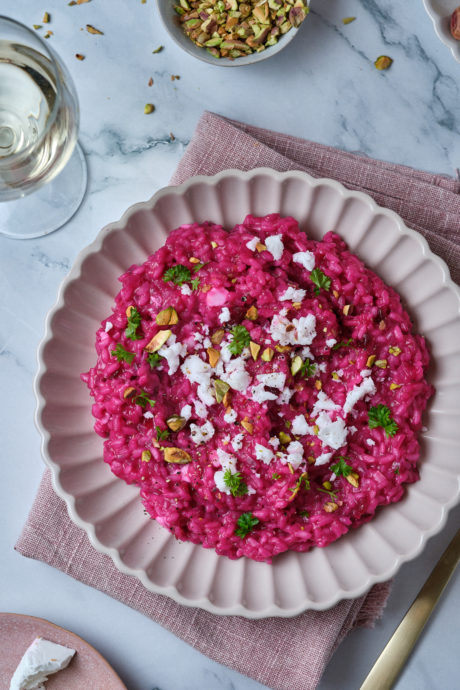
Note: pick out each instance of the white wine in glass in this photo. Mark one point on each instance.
(42, 168)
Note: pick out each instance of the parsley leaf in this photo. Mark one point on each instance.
(304, 513)
(341, 468)
(154, 359)
(162, 435)
(142, 399)
(195, 283)
(343, 343)
(197, 267)
(123, 355)
(307, 369)
(134, 321)
(235, 483)
(327, 491)
(177, 274)
(320, 279)
(379, 415)
(241, 339)
(302, 479)
(276, 476)
(246, 522)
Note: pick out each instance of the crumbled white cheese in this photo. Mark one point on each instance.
(198, 337)
(225, 353)
(108, 326)
(301, 331)
(339, 372)
(322, 367)
(366, 387)
(201, 434)
(264, 454)
(253, 243)
(230, 416)
(333, 477)
(323, 459)
(172, 352)
(293, 294)
(148, 415)
(227, 460)
(293, 455)
(185, 289)
(198, 371)
(220, 483)
(332, 434)
(307, 354)
(300, 427)
(305, 259)
(224, 315)
(237, 442)
(236, 375)
(285, 396)
(275, 246)
(260, 395)
(365, 372)
(323, 402)
(41, 659)
(370, 441)
(352, 429)
(331, 342)
(200, 409)
(186, 412)
(275, 442)
(275, 379)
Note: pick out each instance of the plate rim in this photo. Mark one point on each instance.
(436, 19)
(75, 272)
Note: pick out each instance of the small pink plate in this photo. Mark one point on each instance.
(88, 669)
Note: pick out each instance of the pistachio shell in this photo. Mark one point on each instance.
(268, 354)
(284, 438)
(217, 336)
(246, 424)
(296, 365)
(213, 355)
(251, 313)
(177, 456)
(254, 349)
(176, 423)
(220, 389)
(167, 317)
(158, 341)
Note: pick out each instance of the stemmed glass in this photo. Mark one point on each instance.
(42, 168)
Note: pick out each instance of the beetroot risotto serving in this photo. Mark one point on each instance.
(262, 389)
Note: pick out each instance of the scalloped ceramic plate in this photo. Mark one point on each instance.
(440, 12)
(111, 511)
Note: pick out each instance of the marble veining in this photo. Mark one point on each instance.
(324, 87)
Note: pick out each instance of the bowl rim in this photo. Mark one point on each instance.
(438, 21)
(201, 54)
(75, 273)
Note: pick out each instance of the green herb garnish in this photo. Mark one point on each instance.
(241, 339)
(195, 283)
(134, 321)
(276, 476)
(246, 522)
(343, 343)
(162, 434)
(142, 399)
(304, 513)
(235, 483)
(396, 470)
(307, 369)
(177, 274)
(157, 50)
(197, 267)
(303, 479)
(320, 279)
(123, 355)
(327, 491)
(154, 359)
(380, 416)
(341, 468)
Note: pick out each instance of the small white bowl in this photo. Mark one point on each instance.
(172, 25)
(440, 12)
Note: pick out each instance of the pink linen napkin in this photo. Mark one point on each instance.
(280, 653)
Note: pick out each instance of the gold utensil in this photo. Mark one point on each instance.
(390, 663)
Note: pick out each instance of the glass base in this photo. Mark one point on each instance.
(50, 207)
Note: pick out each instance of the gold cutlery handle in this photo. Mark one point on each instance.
(389, 664)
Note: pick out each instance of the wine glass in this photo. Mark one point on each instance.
(42, 169)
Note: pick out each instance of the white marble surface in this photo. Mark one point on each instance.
(323, 87)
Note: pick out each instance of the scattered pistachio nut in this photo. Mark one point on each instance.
(79, 56)
(347, 309)
(370, 361)
(260, 247)
(217, 336)
(327, 485)
(254, 349)
(330, 506)
(128, 392)
(382, 325)
(220, 389)
(226, 400)
(213, 356)
(158, 340)
(146, 456)
(395, 386)
(213, 244)
(177, 456)
(348, 20)
(291, 469)
(149, 108)
(296, 365)
(167, 317)
(157, 50)
(336, 294)
(194, 260)
(246, 424)
(268, 354)
(383, 62)
(176, 422)
(37, 26)
(394, 350)
(381, 363)
(353, 479)
(284, 438)
(297, 305)
(92, 30)
(318, 384)
(46, 18)
(283, 348)
(251, 313)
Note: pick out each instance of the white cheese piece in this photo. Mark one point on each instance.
(274, 379)
(260, 395)
(237, 442)
(323, 402)
(285, 396)
(293, 455)
(236, 375)
(224, 315)
(227, 460)
(322, 367)
(331, 342)
(370, 441)
(303, 333)
(220, 483)
(148, 415)
(332, 434)
(200, 409)
(305, 259)
(185, 289)
(225, 353)
(365, 372)
(172, 352)
(352, 429)
(366, 387)
(323, 459)
(198, 371)
(300, 427)
(264, 454)
(292, 294)
(207, 342)
(201, 434)
(275, 442)
(230, 416)
(275, 246)
(41, 659)
(307, 353)
(108, 326)
(252, 244)
(186, 412)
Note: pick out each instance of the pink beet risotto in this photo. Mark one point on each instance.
(262, 389)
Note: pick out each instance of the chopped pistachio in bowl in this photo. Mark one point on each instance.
(232, 33)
